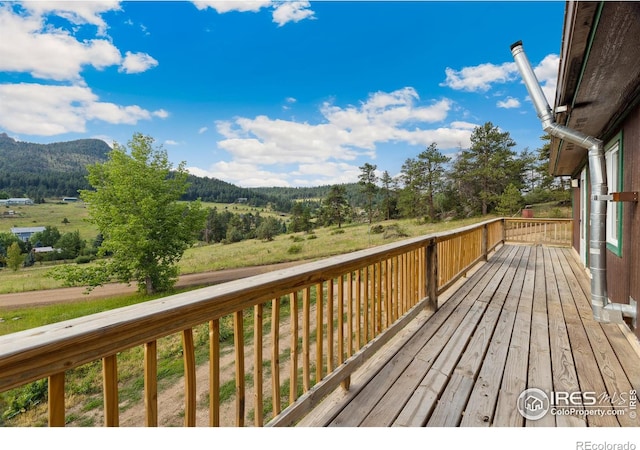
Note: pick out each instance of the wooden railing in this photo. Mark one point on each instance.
(539, 231)
(298, 333)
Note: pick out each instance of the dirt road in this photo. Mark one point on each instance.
(62, 295)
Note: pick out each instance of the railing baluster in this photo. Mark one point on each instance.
(214, 373)
(189, 357)
(340, 349)
(257, 364)
(379, 279)
(350, 315)
(275, 356)
(238, 338)
(110, 385)
(330, 343)
(319, 332)
(306, 319)
(293, 375)
(396, 289)
(56, 400)
(358, 310)
(151, 384)
(365, 304)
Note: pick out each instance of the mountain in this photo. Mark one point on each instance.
(58, 170)
(70, 156)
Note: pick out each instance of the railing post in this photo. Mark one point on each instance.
(432, 274)
(503, 238)
(485, 242)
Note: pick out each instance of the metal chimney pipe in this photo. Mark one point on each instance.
(603, 309)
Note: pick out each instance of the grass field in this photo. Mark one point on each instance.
(53, 214)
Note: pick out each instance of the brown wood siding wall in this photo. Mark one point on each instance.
(631, 213)
(575, 240)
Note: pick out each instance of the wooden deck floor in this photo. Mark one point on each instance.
(523, 320)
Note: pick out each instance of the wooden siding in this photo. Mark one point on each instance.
(521, 321)
(631, 211)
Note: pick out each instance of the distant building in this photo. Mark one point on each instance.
(15, 201)
(47, 249)
(242, 200)
(25, 233)
(70, 199)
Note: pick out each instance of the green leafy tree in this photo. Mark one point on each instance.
(46, 238)
(70, 245)
(268, 229)
(134, 203)
(14, 257)
(367, 181)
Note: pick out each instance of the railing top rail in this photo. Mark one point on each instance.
(535, 220)
(39, 352)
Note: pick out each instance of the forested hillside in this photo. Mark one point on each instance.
(47, 170)
(58, 170)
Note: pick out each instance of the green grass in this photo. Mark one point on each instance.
(253, 252)
(15, 320)
(53, 213)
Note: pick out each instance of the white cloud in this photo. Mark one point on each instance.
(31, 44)
(508, 103)
(547, 74)
(292, 11)
(283, 11)
(225, 6)
(160, 113)
(137, 63)
(76, 12)
(171, 142)
(28, 45)
(247, 175)
(44, 110)
(202, 130)
(479, 78)
(326, 152)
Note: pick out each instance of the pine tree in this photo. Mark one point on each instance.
(484, 170)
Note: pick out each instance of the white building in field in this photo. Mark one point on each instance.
(15, 201)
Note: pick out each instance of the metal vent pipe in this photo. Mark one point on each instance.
(603, 309)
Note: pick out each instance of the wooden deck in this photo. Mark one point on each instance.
(523, 320)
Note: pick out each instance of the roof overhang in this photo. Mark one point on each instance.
(598, 77)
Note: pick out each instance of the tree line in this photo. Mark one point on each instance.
(488, 177)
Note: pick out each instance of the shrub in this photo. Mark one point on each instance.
(394, 231)
(83, 259)
(338, 231)
(311, 236)
(377, 229)
(294, 249)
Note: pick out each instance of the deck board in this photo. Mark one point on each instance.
(522, 320)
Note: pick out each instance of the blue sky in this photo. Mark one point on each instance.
(275, 93)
